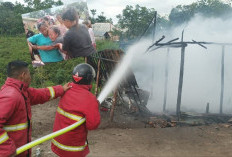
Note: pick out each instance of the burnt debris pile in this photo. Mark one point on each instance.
(127, 93)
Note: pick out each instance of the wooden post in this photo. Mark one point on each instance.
(152, 77)
(153, 39)
(180, 79)
(86, 60)
(166, 81)
(154, 29)
(207, 108)
(222, 79)
(98, 74)
(113, 106)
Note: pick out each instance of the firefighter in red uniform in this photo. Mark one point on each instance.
(76, 103)
(16, 99)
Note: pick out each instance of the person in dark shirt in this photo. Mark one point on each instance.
(107, 36)
(29, 33)
(77, 41)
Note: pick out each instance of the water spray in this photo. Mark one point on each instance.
(117, 76)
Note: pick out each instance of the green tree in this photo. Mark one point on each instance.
(103, 19)
(92, 18)
(11, 21)
(45, 4)
(135, 20)
(93, 12)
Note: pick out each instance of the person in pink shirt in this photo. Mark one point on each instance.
(91, 33)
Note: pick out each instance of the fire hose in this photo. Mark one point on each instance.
(49, 137)
(52, 135)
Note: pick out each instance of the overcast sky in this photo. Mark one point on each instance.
(111, 8)
(115, 7)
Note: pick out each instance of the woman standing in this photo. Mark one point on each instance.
(77, 41)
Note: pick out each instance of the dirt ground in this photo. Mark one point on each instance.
(132, 139)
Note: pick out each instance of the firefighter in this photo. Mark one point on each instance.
(76, 103)
(16, 99)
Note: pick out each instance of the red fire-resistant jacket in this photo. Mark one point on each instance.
(78, 101)
(15, 113)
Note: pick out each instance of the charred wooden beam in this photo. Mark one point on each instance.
(199, 44)
(154, 25)
(173, 44)
(153, 19)
(166, 81)
(170, 43)
(222, 79)
(105, 59)
(180, 79)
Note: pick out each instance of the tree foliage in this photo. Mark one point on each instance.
(207, 8)
(134, 21)
(10, 14)
(93, 12)
(45, 4)
(11, 21)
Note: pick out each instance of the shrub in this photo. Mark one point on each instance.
(106, 44)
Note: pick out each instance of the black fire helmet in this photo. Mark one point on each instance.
(83, 74)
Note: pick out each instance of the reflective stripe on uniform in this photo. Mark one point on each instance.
(4, 137)
(69, 148)
(15, 127)
(52, 92)
(68, 115)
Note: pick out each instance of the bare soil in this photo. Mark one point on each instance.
(127, 137)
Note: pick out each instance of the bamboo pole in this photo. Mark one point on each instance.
(166, 81)
(180, 79)
(98, 74)
(154, 25)
(222, 79)
(207, 108)
(113, 106)
(153, 39)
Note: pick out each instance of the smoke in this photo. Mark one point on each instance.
(202, 71)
